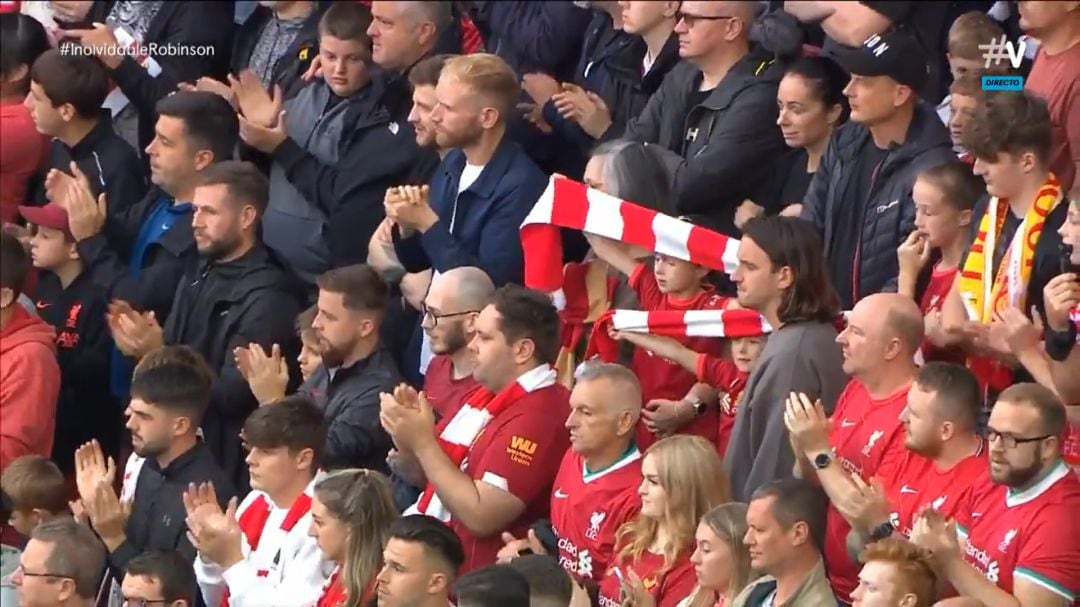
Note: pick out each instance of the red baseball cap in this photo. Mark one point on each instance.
(51, 216)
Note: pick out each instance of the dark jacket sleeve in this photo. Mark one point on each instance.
(268, 320)
(747, 141)
(569, 131)
(154, 287)
(645, 127)
(410, 252)
(194, 25)
(543, 34)
(499, 253)
(359, 179)
(356, 434)
(816, 200)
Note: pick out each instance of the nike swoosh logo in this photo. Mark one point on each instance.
(976, 514)
(41, 305)
(846, 424)
(906, 489)
(560, 495)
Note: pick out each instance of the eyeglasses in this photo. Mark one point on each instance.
(692, 19)
(1011, 441)
(21, 571)
(143, 602)
(427, 313)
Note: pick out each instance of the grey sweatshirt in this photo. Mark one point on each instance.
(799, 357)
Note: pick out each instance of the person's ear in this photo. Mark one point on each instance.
(427, 33)
(181, 425)
(832, 116)
(67, 112)
(305, 459)
(800, 533)
(7, 297)
(73, 251)
(249, 217)
(1029, 163)
(489, 117)
(902, 95)
(523, 350)
(437, 583)
(965, 218)
(785, 277)
(909, 600)
(203, 159)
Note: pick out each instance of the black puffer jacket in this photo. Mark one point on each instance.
(888, 213)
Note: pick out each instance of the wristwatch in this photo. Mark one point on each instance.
(697, 404)
(822, 460)
(882, 531)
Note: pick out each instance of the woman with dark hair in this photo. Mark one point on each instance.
(811, 105)
(351, 516)
(22, 147)
(782, 275)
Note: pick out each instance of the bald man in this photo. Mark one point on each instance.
(595, 491)
(715, 114)
(448, 316)
(883, 333)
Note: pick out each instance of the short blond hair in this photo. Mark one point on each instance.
(34, 482)
(489, 76)
(968, 31)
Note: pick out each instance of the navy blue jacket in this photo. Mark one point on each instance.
(479, 227)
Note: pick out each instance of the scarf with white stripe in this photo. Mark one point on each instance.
(480, 407)
(570, 204)
(731, 324)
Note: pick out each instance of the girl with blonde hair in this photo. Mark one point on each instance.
(721, 559)
(351, 516)
(682, 479)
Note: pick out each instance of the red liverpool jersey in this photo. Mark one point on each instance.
(662, 378)
(941, 282)
(668, 589)
(1031, 535)
(587, 508)
(865, 434)
(913, 482)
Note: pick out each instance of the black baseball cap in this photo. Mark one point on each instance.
(893, 54)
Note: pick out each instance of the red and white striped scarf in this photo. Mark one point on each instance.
(570, 204)
(480, 407)
(674, 323)
(252, 523)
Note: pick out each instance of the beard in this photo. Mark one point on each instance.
(1017, 477)
(219, 249)
(459, 139)
(453, 341)
(150, 449)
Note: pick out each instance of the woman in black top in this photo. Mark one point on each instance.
(812, 104)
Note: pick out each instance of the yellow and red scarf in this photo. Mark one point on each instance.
(988, 291)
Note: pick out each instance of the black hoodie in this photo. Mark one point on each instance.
(220, 306)
(887, 213)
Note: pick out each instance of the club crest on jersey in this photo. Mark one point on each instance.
(939, 502)
(595, 521)
(1009, 535)
(875, 436)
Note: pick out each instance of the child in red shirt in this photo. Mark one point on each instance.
(944, 197)
(667, 284)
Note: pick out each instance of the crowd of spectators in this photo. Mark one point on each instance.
(539, 303)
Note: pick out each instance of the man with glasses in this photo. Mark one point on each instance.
(159, 579)
(1022, 540)
(448, 318)
(715, 113)
(62, 566)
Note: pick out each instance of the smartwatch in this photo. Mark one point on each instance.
(697, 404)
(822, 460)
(882, 531)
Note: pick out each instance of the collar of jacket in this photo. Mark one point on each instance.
(341, 374)
(809, 591)
(924, 132)
(182, 462)
(89, 143)
(493, 171)
(257, 269)
(756, 67)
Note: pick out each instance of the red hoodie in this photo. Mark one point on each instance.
(29, 385)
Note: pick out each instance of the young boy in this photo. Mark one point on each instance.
(963, 99)
(944, 198)
(667, 284)
(68, 299)
(310, 357)
(9, 555)
(965, 57)
(36, 489)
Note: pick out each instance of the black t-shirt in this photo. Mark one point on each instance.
(796, 182)
(697, 98)
(845, 241)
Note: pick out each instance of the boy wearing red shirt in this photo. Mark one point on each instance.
(667, 284)
(944, 197)
(596, 487)
(490, 467)
(1022, 542)
(883, 333)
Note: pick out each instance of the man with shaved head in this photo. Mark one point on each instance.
(448, 318)
(884, 331)
(595, 491)
(715, 113)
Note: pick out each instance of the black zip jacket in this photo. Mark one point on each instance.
(632, 89)
(719, 151)
(888, 213)
(111, 166)
(219, 307)
(157, 510)
(163, 265)
(376, 152)
(85, 409)
(350, 401)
